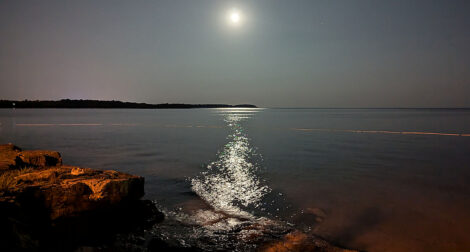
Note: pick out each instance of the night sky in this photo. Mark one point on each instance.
(284, 53)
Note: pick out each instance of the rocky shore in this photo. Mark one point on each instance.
(50, 206)
(46, 205)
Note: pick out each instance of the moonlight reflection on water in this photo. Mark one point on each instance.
(232, 189)
(231, 181)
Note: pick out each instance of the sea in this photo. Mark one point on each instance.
(367, 179)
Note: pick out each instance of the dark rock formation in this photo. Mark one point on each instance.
(46, 205)
(12, 157)
(63, 192)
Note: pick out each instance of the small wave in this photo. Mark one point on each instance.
(211, 230)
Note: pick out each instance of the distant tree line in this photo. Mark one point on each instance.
(67, 103)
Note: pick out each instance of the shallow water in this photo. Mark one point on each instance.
(370, 179)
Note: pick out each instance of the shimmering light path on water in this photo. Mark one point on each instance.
(232, 190)
(232, 179)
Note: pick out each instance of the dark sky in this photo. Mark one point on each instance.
(286, 53)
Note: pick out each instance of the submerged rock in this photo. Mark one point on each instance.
(212, 230)
(299, 241)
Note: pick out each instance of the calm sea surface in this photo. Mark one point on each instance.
(371, 179)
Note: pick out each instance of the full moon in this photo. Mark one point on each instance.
(234, 17)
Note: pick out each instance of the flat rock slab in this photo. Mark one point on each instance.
(47, 205)
(62, 191)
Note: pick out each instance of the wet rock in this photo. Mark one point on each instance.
(212, 230)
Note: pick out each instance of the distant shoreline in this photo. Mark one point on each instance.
(97, 104)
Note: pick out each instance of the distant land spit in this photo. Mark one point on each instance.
(67, 103)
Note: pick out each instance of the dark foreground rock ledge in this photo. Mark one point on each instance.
(45, 205)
